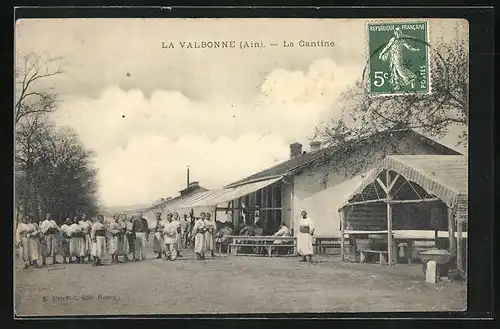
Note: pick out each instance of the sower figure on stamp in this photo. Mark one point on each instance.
(66, 238)
(305, 237)
(158, 242)
(141, 230)
(86, 226)
(210, 232)
(400, 75)
(49, 230)
(98, 235)
(114, 230)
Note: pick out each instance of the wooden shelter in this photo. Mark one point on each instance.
(410, 193)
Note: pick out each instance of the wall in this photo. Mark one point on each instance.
(320, 197)
(286, 203)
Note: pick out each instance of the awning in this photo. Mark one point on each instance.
(445, 176)
(217, 197)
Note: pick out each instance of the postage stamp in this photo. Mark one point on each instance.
(398, 57)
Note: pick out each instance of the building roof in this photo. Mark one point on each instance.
(291, 166)
(173, 202)
(445, 176)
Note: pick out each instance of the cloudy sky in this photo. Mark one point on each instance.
(148, 112)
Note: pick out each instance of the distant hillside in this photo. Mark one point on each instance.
(119, 209)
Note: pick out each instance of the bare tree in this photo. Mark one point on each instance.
(432, 114)
(54, 171)
(31, 96)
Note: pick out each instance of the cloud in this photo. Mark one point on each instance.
(143, 145)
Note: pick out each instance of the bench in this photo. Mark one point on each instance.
(382, 255)
(260, 242)
(322, 243)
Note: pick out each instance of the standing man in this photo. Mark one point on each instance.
(210, 230)
(122, 241)
(141, 230)
(130, 236)
(66, 238)
(199, 237)
(178, 228)
(98, 235)
(185, 227)
(86, 226)
(49, 230)
(170, 238)
(114, 230)
(158, 243)
(77, 243)
(305, 237)
(27, 239)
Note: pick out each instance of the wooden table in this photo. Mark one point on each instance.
(260, 241)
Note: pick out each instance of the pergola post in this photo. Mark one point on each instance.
(451, 232)
(459, 247)
(342, 230)
(390, 248)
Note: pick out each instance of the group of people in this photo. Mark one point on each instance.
(175, 232)
(83, 240)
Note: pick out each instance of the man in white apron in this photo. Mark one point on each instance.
(305, 237)
(49, 243)
(211, 230)
(158, 243)
(98, 235)
(199, 237)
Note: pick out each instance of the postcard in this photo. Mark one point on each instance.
(240, 166)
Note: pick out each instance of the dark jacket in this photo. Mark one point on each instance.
(140, 225)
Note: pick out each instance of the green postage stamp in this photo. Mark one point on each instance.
(398, 57)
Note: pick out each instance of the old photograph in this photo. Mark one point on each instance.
(239, 166)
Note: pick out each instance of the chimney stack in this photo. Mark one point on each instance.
(187, 177)
(295, 150)
(315, 146)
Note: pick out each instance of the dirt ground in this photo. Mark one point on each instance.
(230, 284)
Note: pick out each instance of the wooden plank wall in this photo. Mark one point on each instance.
(369, 217)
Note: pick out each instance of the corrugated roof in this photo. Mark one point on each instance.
(445, 176)
(294, 164)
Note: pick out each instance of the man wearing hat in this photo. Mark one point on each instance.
(158, 243)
